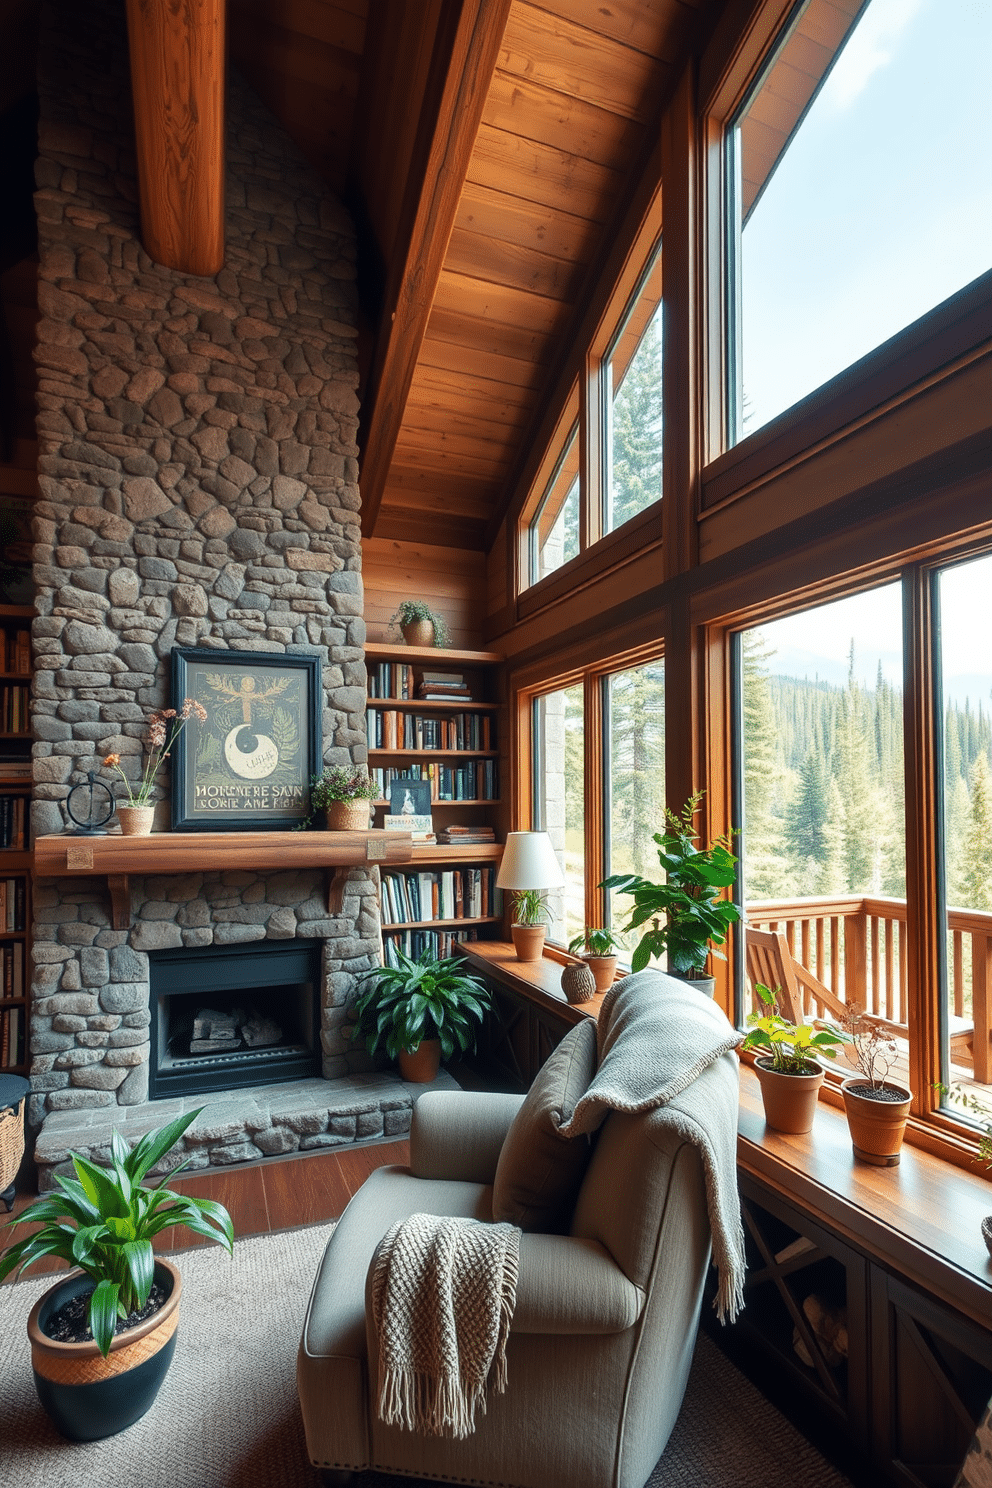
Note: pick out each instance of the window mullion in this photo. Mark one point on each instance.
(595, 796)
(924, 902)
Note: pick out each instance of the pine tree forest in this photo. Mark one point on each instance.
(824, 787)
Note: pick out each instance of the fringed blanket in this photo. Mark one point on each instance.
(656, 1035)
(443, 1294)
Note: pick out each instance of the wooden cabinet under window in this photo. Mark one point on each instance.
(432, 715)
(15, 834)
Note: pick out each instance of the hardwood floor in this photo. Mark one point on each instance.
(278, 1194)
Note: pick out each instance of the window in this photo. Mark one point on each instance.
(822, 845)
(559, 752)
(554, 533)
(964, 663)
(633, 391)
(859, 194)
(635, 778)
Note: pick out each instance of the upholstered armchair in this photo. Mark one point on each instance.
(606, 1312)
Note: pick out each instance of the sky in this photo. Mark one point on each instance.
(816, 643)
(882, 205)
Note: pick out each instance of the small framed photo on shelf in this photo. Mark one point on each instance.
(248, 765)
(410, 796)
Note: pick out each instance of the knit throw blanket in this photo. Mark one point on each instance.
(656, 1035)
(443, 1294)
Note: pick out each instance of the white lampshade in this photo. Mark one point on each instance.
(529, 862)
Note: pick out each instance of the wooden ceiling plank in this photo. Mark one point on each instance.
(497, 214)
(522, 107)
(458, 360)
(457, 533)
(452, 462)
(495, 302)
(342, 27)
(445, 382)
(471, 35)
(488, 259)
(276, 52)
(177, 79)
(654, 28)
(552, 51)
(537, 173)
(482, 339)
(462, 436)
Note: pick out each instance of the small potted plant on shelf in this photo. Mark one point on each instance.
(531, 915)
(420, 1012)
(164, 727)
(102, 1338)
(788, 1070)
(598, 949)
(877, 1109)
(344, 794)
(419, 624)
(697, 918)
(967, 1100)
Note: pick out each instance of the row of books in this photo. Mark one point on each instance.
(12, 969)
(478, 780)
(11, 1037)
(15, 817)
(389, 729)
(442, 894)
(414, 942)
(12, 905)
(391, 679)
(15, 699)
(15, 652)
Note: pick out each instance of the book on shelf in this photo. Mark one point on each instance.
(454, 835)
(14, 818)
(12, 969)
(438, 894)
(414, 943)
(421, 827)
(12, 905)
(391, 679)
(11, 1037)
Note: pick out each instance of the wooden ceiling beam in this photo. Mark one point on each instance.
(177, 79)
(469, 37)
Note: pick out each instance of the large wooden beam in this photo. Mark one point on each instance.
(177, 78)
(469, 37)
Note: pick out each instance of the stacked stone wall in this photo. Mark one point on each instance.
(198, 477)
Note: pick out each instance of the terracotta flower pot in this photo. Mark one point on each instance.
(420, 1065)
(348, 816)
(528, 941)
(603, 968)
(136, 821)
(88, 1396)
(789, 1100)
(419, 633)
(578, 982)
(877, 1123)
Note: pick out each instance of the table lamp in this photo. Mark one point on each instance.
(528, 869)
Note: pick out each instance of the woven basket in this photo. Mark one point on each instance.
(11, 1143)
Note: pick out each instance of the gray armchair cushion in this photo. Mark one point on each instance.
(539, 1171)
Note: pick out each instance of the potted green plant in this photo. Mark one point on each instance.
(531, 915)
(598, 948)
(343, 793)
(419, 624)
(697, 918)
(420, 1012)
(788, 1070)
(967, 1100)
(877, 1109)
(102, 1338)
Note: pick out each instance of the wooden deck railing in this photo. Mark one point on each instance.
(859, 942)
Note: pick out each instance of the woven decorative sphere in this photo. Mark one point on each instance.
(578, 982)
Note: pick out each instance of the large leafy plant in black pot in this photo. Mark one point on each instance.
(688, 915)
(103, 1221)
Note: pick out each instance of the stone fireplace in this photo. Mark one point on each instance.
(198, 479)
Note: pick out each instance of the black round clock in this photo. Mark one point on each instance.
(90, 806)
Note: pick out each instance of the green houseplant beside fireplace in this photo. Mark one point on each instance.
(127, 1299)
(420, 1012)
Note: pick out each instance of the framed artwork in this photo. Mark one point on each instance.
(248, 767)
(410, 796)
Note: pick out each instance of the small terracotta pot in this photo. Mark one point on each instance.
(877, 1126)
(987, 1232)
(604, 970)
(419, 633)
(420, 1065)
(789, 1100)
(348, 816)
(136, 821)
(578, 982)
(528, 941)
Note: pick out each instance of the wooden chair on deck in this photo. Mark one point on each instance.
(770, 962)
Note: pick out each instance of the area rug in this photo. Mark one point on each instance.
(227, 1416)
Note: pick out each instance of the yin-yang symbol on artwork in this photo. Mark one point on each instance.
(252, 756)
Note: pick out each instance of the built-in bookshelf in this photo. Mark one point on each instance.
(433, 718)
(15, 833)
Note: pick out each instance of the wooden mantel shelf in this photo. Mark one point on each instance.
(118, 858)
